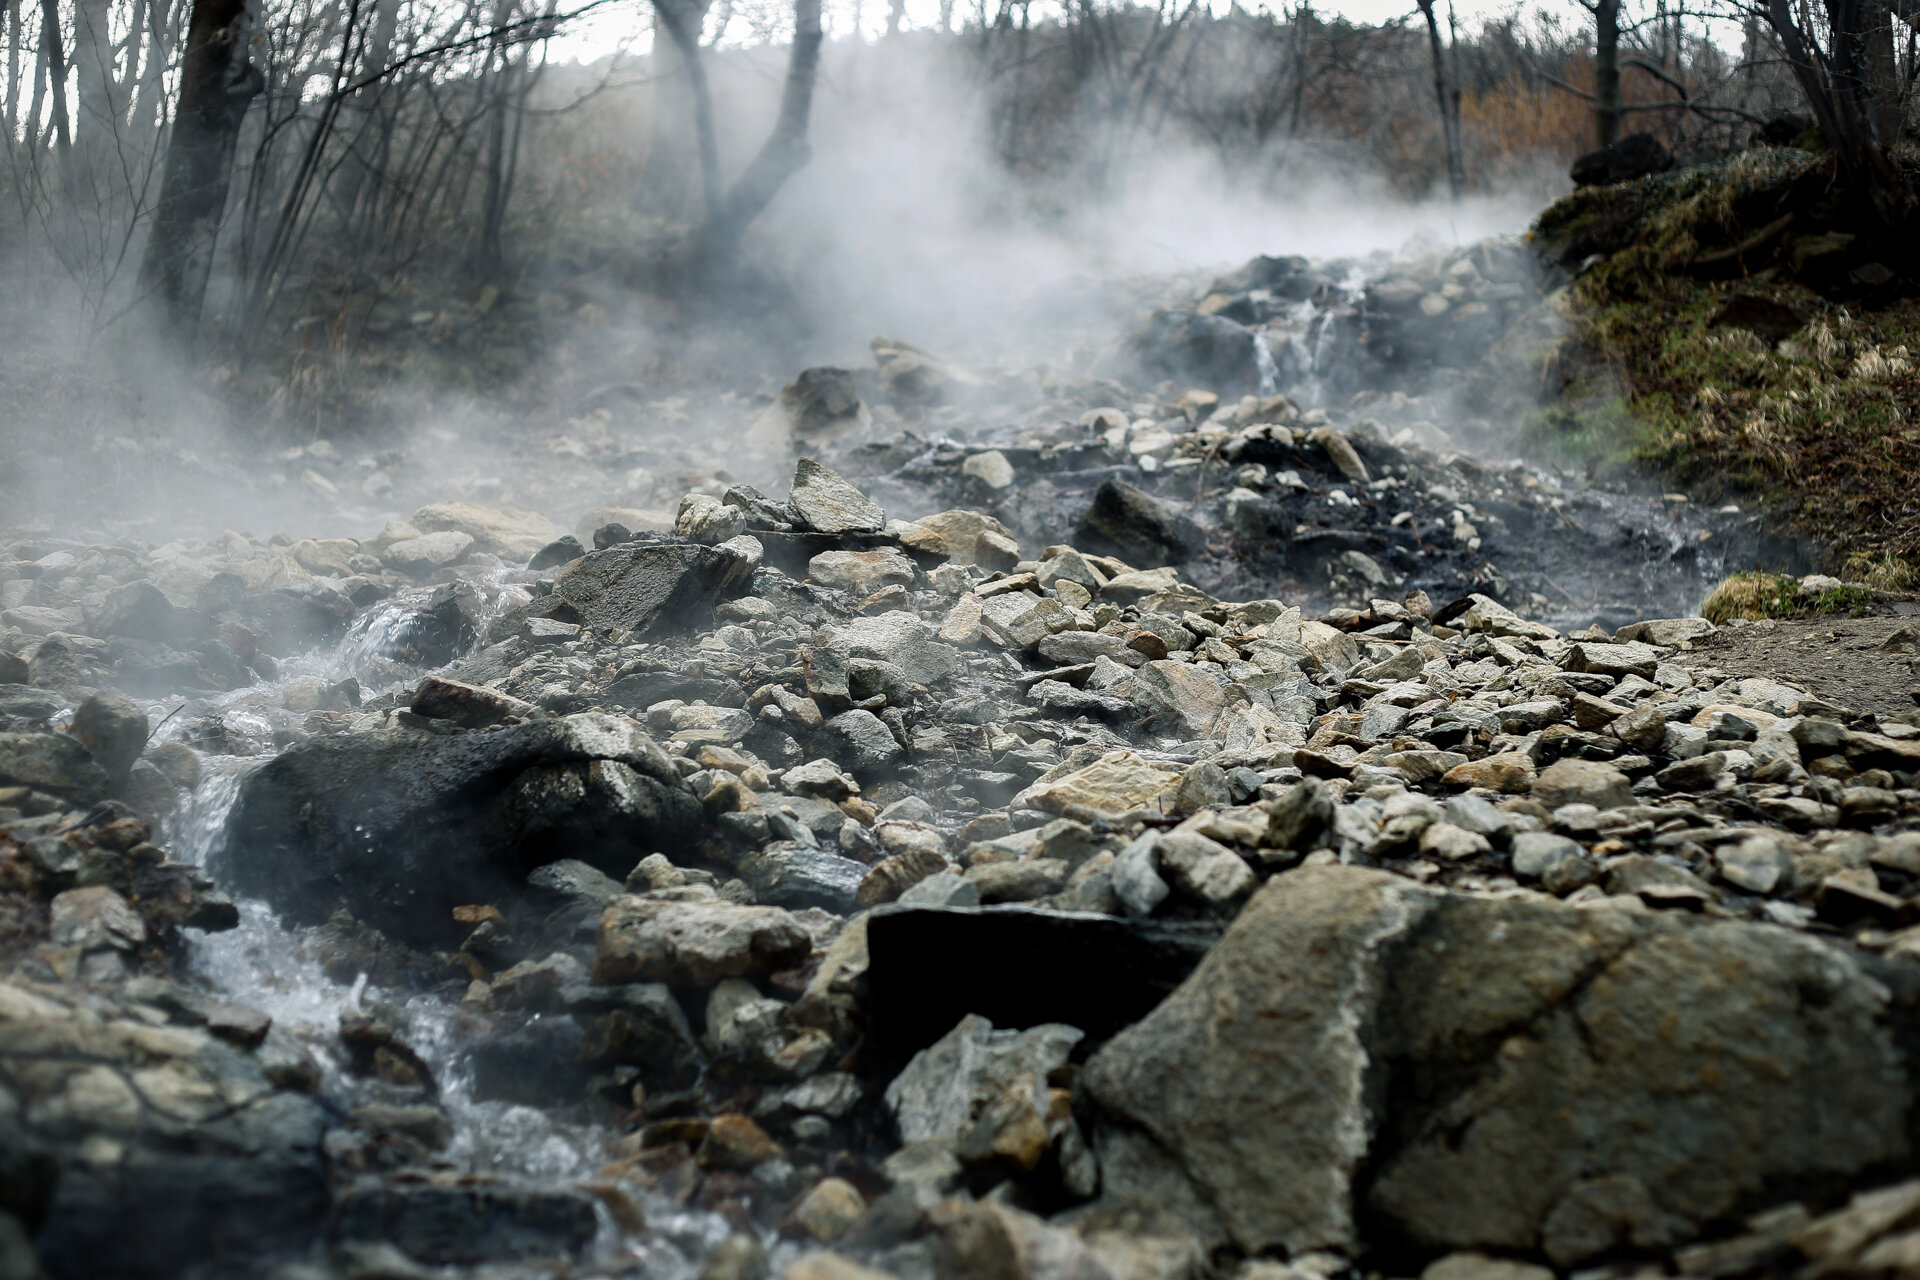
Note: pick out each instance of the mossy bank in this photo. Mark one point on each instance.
(1727, 325)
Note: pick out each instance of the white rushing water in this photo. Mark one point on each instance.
(282, 970)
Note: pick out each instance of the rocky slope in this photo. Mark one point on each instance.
(1171, 853)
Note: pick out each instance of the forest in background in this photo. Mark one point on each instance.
(415, 187)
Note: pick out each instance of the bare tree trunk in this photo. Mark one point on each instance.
(682, 19)
(56, 68)
(216, 85)
(16, 31)
(1840, 94)
(153, 68)
(896, 12)
(1606, 71)
(1881, 73)
(496, 84)
(786, 151)
(1302, 25)
(97, 117)
(1444, 97)
(946, 16)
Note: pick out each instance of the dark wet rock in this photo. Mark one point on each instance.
(1197, 350)
(1573, 1132)
(561, 551)
(863, 743)
(638, 1025)
(152, 1152)
(535, 1063)
(650, 585)
(441, 629)
(468, 1221)
(1101, 972)
(1138, 528)
(798, 878)
(114, 729)
(401, 827)
(52, 762)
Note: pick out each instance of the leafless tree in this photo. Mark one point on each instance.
(217, 83)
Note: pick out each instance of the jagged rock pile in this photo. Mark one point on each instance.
(865, 881)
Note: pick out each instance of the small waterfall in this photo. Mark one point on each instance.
(1264, 362)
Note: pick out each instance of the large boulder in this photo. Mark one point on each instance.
(52, 762)
(821, 404)
(144, 1152)
(401, 826)
(1102, 973)
(640, 586)
(1207, 351)
(1137, 527)
(1470, 1073)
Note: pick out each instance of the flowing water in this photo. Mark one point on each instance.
(281, 971)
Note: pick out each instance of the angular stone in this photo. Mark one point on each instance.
(1616, 660)
(861, 572)
(1184, 699)
(950, 1083)
(1510, 772)
(52, 762)
(641, 586)
(1118, 782)
(862, 742)
(694, 944)
(1340, 452)
(1138, 528)
(468, 705)
(829, 504)
(1644, 728)
(903, 640)
(402, 827)
(1312, 1044)
(1664, 631)
(1582, 782)
(973, 538)
(114, 728)
(1019, 620)
(1075, 648)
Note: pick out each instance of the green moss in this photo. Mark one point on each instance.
(1846, 598)
(1823, 424)
(1753, 596)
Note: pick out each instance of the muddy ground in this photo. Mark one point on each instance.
(1862, 663)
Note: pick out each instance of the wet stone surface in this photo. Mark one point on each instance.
(1131, 854)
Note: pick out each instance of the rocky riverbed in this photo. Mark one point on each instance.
(1195, 843)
